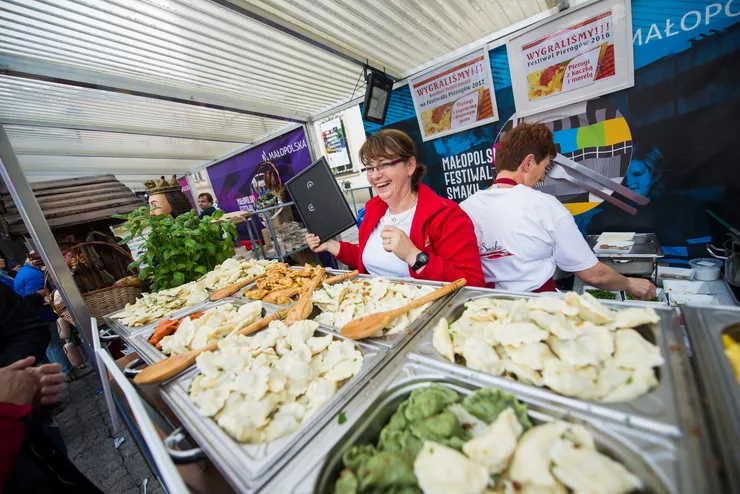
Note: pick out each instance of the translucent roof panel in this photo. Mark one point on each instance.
(399, 34)
(46, 141)
(180, 43)
(59, 105)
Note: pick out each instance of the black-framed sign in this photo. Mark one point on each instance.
(320, 201)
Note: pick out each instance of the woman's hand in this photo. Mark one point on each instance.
(314, 243)
(19, 386)
(50, 381)
(395, 240)
(641, 289)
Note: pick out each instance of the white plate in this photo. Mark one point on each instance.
(614, 247)
(680, 298)
(616, 237)
(669, 273)
(681, 286)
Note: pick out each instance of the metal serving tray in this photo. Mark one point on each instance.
(675, 465)
(150, 354)
(240, 294)
(247, 467)
(639, 261)
(705, 328)
(661, 411)
(127, 332)
(390, 341)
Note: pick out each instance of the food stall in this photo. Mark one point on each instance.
(251, 376)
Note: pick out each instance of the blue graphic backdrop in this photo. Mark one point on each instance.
(682, 112)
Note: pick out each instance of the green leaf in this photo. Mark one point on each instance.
(133, 265)
(211, 249)
(190, 243)
(200, 269)
(341, 418)
(178, 278)
(218, 214)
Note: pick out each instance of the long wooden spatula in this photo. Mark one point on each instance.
(175, 364)
(366, 326)
(302, 309)
(230, 290)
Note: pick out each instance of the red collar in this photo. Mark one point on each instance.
(506, 181)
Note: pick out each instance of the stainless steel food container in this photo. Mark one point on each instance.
(150, 354)
(639, 261)
(247, 467)
(240, 293)
(705, 327)
(664, 464)
(392, 341)
(127, 332)
(659, 411)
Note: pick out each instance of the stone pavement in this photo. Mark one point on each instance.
(85, 424)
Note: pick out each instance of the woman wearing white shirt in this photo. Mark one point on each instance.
(408, 230)
(523, 234)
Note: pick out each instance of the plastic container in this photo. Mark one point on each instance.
(706, 268)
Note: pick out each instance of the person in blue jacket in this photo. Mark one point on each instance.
(30, 277)
(29, 284)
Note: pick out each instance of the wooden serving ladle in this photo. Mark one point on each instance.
(230, 290)
(366, 326)
(175, 364)
(303, 308)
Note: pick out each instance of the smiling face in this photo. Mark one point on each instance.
(391, 183)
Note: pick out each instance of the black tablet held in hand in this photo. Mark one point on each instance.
(320, 201)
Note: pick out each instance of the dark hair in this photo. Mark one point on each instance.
(179, 203)
(521, 141)
(392, 144)
(207, 196)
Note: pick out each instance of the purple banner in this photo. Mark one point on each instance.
(235, 179)
(186, 190)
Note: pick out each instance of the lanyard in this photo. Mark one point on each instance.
(506, 181)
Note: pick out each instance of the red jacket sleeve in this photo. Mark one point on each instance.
(455, 249)
(13, 433)
(349, 254)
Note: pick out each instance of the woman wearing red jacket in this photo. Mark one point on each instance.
(408, 230)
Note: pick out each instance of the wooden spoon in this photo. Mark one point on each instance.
(175, 364)
(365, 326)
(341, 277)
(230, 290)
(303, 308)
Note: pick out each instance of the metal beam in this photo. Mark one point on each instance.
(346, 52)
(29, 68)
(59, 124)
(44, 240)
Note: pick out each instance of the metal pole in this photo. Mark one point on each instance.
(114, 419)
(313, 144)
(45, 242)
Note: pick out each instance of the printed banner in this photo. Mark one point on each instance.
(186, 190)
(573, 58)
(335, 142)
(570, 59)
(235, 180)
(455, 97)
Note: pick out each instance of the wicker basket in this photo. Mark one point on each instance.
(105, 300)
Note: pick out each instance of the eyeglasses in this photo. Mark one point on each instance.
(381, 167)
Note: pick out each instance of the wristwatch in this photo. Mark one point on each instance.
(421, 260)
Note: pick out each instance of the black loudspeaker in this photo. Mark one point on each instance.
(320, 201)
(377, 97)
